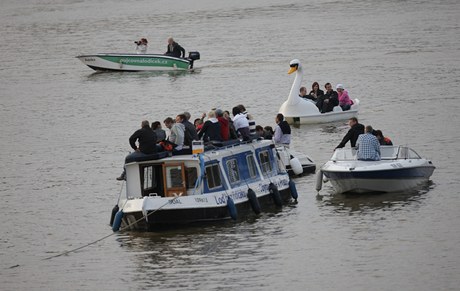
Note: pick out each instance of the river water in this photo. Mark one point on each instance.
(65, 129)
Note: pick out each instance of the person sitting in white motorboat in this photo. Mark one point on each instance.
(177, 133)
(329, 100)
(382, 139)
(282, 131)
(241, 123)
(141, 46)
(174, 49)
(147, 144)
(368, 146)
(344, 100)
(352, 135)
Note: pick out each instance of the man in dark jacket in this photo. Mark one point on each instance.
(329, 100)
(147, 144)
(352, 135)
(190, 133)
(174, 49)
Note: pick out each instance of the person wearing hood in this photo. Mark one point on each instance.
(211, 129)
(177, 133)
(282, 134)
(352, 135)
(344, 100)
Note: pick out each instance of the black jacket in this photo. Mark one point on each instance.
(333, 101)
(210, 131)
(147, 140)
(176, 51)
(352, 135)
(190, 133)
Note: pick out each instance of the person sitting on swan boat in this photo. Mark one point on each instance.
(174, 49)
(368, 146)
(315, 92)
(329, 100)
(344, 100)
(282, 134)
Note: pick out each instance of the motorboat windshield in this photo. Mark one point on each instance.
(387, 153)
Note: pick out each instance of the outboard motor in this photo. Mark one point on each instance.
(193, 56)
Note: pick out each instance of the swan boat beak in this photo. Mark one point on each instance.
(293, 69)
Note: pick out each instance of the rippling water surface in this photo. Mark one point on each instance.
(64, 137)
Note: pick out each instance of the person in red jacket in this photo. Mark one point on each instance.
(224, 125)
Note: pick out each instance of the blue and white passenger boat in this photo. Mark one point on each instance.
(399, 169)
(227, 181)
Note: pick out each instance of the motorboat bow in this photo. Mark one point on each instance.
(399, 169)
(296, 163)
(297, 110)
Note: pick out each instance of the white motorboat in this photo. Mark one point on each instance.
(296, 163)
(399, 169)
(138, 62)
(298, 110)
(227, 181)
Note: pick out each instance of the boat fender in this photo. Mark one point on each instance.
(293, 189)
(252, 197)
(319, 180)
(114, 211)
(232, 208)
(117, 221)
(275, 194)
(296, 166)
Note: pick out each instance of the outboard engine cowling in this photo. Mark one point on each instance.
(194, 55)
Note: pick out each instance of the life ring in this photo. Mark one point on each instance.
(275, 194)
(117, 220)
(293, 189)
(232, 208)
(112, 216)
(252, 197)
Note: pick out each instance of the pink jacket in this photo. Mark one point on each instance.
(344, 99)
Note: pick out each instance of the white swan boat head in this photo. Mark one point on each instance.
(299, 110)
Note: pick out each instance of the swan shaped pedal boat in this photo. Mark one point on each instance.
(138, 62)
(399, 169)
(301, 111)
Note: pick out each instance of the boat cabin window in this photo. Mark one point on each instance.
(174, 176)
(265, 163)
(251, 166)
(213, 176)
(191, 174)
(151, 180)
(174, 179)
(233, 172)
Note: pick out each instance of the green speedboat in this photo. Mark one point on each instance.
(138, 62)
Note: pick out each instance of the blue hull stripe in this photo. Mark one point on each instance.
(420, 172)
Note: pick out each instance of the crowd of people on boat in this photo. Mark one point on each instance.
(365, 139)
(326, 101)
(217, 126)
(173, 49)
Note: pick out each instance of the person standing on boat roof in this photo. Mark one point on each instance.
(282, 134)
(141, 47)
(177, 133)
(344, 100)
(368, 146)
(328, 101)
(352, 135)
(147, 140)
(174, 49)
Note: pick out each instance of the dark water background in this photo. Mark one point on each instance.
(64, 132)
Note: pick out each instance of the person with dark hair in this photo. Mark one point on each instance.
(174, 49)
(368, 146)
(141, 46)
(303, 92)
(224, 125)
(231, 127)
(211, 128)
(282, 131)
(352, 135)
(241, 124)
(251, 121)
(160, 133)
(329, 100)
(177, 133)
(268, 132)
(315, 92)
(147, 140)
(383, 140)
(190, 133)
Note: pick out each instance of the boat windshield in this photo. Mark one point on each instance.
(387, 153)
